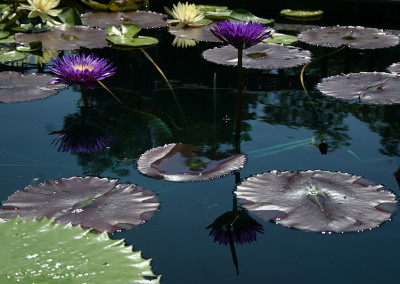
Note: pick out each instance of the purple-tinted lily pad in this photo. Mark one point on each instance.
(366, 87)
(353, 37)
(184, 162)
(16, 87)
(394, 68)
(66, 38)
(260, 56)
(90, 202)
(143, 19)
(318, 201)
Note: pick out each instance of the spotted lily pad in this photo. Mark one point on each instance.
(184, 162)
(47, 252)
(90, 202)
(143, 19)
(318, 201)
(366, 87)
(66, 38)
(353, 37)
(17, 87)
(260, 56)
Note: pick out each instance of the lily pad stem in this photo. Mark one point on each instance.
(108, 90)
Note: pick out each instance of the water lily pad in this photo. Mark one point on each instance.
(260, 56)
(143, 19)
(218, 15)
(17, 87)
(318, 201)
(353, 37)
(184, 162)
(66, 38)
(366, 87)
(127, 36)
(47, 252)
(90, 202)
(10, 55)
(394, 68)
(281, 38)
(202, 33)
(301, 13)
(244, 15)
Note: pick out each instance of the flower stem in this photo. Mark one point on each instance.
(108, 90)
(239, 100)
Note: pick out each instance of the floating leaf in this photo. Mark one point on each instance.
(70, 17)
(47, 252)
(281, 38)
(9, 56)
(353, 37)
(90, 202)
(9, 39)
(66, 38)
(95, 5)
(124, 5)
(211, 8)
(394, 68)
(126, 36)
(143, 19)
(366, 87)
(218, 15)
(260, 56)
(244, 15)
(301, 13)
(17, 87)
(4, 34)
(318, 201)
(202, 33)
(183, 162)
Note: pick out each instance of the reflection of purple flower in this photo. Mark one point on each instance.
(241, 34)
(81, 142)
(81, 69)
(243, 229)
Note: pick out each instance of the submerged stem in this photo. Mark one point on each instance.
(108, 90)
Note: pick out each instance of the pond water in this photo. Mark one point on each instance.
(282, 130)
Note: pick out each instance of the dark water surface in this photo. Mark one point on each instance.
(280, 124)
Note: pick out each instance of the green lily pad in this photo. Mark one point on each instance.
(33, 46)
(47, 252)
(70, 17)
(10, 39)
(9, 56)
(4, 34)
(126, 36)
(211, 8)
(244, 15)
(281, 38)
(125, 5)
(218, 15)
(23, 28)
(301, 13)
(95, 5)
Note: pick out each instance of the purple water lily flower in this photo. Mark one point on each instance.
(241, 34)
(81, 69)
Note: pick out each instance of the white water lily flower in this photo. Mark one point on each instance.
(186, 14)
(42, 8)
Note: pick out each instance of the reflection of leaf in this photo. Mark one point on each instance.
(17, 87)
(173, 162)
(260, 56)
(47, 252)
(353, 37)
(90, 202)
(318, 201)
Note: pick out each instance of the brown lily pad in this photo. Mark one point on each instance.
(394, 68)
(143, 19)
(366, 87)
(353, 37)
(260, 56)
(17, 87)
(66, 38)
(90, 202)
(182, 162)
(318, 201)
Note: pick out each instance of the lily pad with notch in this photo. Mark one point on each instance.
(353, 37)
(143, 19)
(184, 162)
(91, 202)
(128, 36)
(66, 38)
(16, 87)
(317, 201)
(364, 87)
(260, 56)
(47, 252)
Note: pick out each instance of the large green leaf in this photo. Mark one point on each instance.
(127, 36)
(8, 56)
(46, 252)
(70, 17)
(281, 38)
(244, 15)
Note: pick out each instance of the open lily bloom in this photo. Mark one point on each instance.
(186, 14)
(81, 69)
(241, 34)
(42, 9)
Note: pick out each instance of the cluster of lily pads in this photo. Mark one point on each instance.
(319, 201)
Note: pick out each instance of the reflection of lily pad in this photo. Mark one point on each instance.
(17, 87)
(143, 19)
(353, 37)
(318, 201)
(180, 162)
(367, 87)
(66, 38)
(260, 56)
(90, 202)
(47, 252)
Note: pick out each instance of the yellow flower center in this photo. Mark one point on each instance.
(83, 67)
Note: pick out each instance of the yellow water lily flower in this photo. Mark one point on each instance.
(186, 14)
(42, 8)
